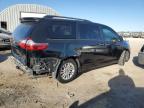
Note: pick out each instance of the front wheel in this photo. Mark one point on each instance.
(127, 56)
(122, 60)
(67, 71)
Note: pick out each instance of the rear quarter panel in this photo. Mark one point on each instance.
(59, 48)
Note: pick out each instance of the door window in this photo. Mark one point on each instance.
(109, 34)
(87, 31)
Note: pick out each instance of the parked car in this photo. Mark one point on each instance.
(141, 56)
(5, 37)
(64, 46)
(142, 36)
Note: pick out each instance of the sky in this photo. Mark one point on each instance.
(121, 15)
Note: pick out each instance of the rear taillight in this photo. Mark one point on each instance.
(30, 45)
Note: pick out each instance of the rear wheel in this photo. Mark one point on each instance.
(67, 71)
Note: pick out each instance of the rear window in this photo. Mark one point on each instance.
(54, 30)
(22, 31)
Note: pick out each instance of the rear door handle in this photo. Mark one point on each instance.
(107, 43)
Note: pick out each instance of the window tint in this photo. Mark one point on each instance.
(109, 34)
(61, 30)
(88, 31)
(54, 30)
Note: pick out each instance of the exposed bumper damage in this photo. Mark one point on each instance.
(40, 65)
(45, 65)
(21, 66)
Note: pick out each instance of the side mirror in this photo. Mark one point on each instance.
(114, 40)
(121, 38)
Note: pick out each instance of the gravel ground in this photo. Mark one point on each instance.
(108, 87)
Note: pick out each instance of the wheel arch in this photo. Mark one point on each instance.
(73, 58)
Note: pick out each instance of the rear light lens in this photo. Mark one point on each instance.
(30, 45)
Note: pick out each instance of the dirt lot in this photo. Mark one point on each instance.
(109, 87)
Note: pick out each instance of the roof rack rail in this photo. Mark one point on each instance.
(63, 17)
(29, 19)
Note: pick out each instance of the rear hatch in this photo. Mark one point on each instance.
(20, 35)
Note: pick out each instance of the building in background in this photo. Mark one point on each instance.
(10, 17)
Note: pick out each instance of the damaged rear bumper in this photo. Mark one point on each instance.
(21, 66)
(45, 65)
(40, 65)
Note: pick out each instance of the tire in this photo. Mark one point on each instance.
(127, 56)
(121, 60)
(67, 71)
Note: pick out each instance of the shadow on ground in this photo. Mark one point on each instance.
(2, 58)
(122, 94)
(4, 55)
(135, 61)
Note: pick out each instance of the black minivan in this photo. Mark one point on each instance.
(65, 46)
